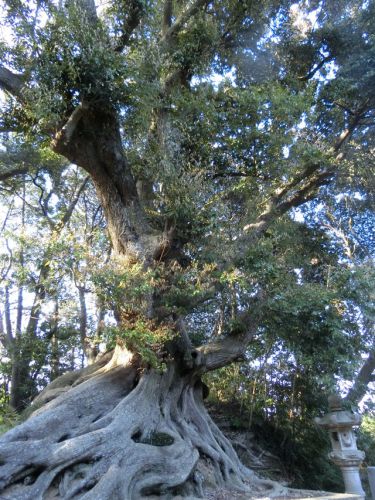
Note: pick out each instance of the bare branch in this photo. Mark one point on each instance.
(40, 201)
(315, 69)
(167, 16)
(66, 217)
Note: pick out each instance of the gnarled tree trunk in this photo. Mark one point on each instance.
(110, 432)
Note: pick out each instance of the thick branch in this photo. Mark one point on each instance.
(315, 69)
(11, 82)
(182, 19)
(131, 22)
(64, 136)
(347, 133)
(223, 352)
(232, 347)
(13, 173)
(167, 16)
(364, 377)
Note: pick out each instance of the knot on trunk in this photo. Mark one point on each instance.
(193, 359)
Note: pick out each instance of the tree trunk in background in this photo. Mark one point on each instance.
(20, 367)
(21, 264)
(83, 323)
(8, 322)
(55, 355)
(23, 387)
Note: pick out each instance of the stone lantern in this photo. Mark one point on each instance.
(340, 424)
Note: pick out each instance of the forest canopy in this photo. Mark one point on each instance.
(187, 202)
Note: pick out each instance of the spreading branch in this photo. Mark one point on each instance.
(292, 194)
(303, 186)
(315, 69)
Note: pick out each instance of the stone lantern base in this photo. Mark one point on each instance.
(352, 481)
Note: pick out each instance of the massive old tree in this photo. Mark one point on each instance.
(202, 126)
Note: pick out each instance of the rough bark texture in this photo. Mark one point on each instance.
(111, 432)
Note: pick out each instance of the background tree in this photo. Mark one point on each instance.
(196, 181)
(40, 271)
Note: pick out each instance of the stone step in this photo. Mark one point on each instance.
(319, 495)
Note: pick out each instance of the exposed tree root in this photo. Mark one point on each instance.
(109, 437)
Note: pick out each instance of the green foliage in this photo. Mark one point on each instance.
(119, 281)
(277, 404)
(8, 417)
(142, 338)
(366, 439)
(76, 63)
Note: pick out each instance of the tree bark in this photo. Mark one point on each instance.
(365, 376)
(110, 434)
(92, 140)
(55, 357)
(8, 322)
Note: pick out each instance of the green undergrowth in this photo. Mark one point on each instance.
(8, 418)
(301, 447)
(366, 442)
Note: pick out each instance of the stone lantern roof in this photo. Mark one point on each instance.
(338, 418)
